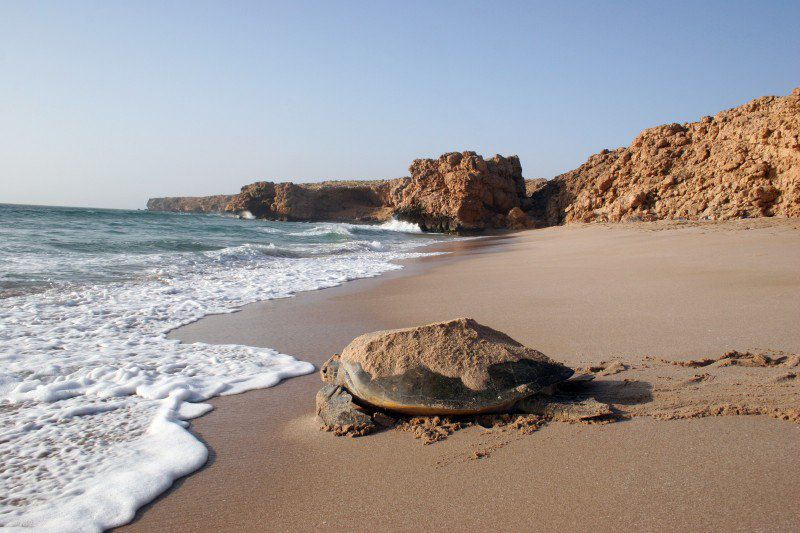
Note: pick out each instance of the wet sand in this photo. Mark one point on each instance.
(581, 294)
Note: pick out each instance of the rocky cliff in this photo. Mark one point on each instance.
(744, 162)
(337, 201)
(191, 204)
(456, 192)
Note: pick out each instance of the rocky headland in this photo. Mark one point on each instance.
(454, 193)
(191, 204)
(334, 201)
(740, 163)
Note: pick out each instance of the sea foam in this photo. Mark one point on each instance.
(94, 399)
(400, 225)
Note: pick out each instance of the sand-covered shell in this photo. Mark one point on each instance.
(447, 368)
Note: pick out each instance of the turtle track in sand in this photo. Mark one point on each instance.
(735, 383)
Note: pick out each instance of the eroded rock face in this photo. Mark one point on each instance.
(461, 192)
(518, 219)
(368, 201)
(534, 185)
(744, 162)
(453, 367)
(456, 192)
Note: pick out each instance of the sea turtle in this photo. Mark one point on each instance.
(455, 368)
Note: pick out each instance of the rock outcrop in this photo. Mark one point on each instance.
(191, 204)
(461, 192)
(532, 186)
(518, 219)
(343, 201)
(744, 162)
(456, 192)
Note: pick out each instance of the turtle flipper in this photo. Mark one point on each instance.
(565, 409)
(338, 413)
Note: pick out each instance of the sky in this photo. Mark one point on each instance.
(107, 103)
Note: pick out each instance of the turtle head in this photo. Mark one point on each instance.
(330, 370)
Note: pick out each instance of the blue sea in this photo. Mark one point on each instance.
(94, 399)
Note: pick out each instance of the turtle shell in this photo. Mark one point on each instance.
(457, 367)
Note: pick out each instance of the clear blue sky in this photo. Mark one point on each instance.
(107, 103)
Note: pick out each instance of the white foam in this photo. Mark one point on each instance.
(269, 229)
(346, 229)
(400, 225)
(316, 230)
(94, 398)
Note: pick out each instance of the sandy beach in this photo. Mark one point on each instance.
(271, 266)
(581, 294)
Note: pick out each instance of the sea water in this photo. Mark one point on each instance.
(94, 399)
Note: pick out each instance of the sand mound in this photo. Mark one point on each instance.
(741, 359)
(459, 348)
(606, 368)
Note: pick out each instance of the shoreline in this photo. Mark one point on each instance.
(440, 251)
(299, 470)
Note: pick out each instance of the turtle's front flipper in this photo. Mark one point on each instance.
(565, 409)
(338, 413)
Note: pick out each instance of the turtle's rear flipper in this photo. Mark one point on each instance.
(564, 409)
(337, 412)
(577, 383)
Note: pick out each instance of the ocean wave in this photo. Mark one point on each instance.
(401, 226)
(95, 398)
(247, 253)
(269, 229)
(348, 229)
(318, 230)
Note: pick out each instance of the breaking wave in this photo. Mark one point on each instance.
(94, 398)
